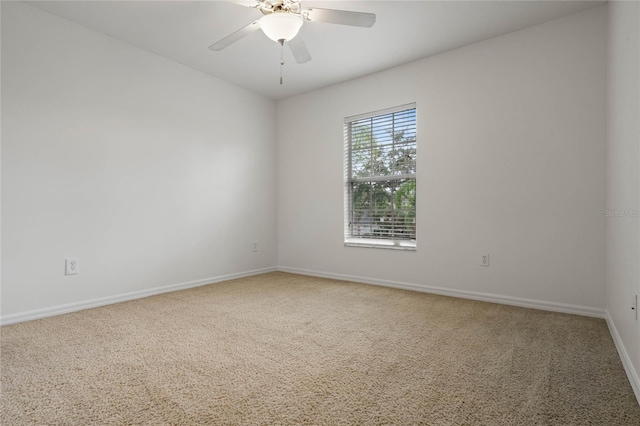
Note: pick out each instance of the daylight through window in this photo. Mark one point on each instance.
(380, 181)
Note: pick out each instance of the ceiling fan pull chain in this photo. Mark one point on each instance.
(281, 59)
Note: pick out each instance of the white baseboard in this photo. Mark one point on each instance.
(485, 297)
(94, 303)
(632, 374)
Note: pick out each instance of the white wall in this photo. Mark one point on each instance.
(150, 173)
(510, 162)
(623, 181)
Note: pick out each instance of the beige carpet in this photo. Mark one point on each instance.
(287, 349)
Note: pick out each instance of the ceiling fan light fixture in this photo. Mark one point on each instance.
(280, 25)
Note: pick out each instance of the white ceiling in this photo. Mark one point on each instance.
(404, 31)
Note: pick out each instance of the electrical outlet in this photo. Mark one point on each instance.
(71, 266)
(634, 306)
(485, 260)
(255, 246)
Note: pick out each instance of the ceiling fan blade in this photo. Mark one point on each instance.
(299, 50)
(247, 3)
(233, 37)
(342, 17)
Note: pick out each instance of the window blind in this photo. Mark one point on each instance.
(380, 178)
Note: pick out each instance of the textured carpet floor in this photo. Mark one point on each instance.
(287, 349)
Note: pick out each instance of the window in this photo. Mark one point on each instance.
(380, 178)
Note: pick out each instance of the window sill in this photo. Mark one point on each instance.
(381, 244)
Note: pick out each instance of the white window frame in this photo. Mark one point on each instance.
(349, 240)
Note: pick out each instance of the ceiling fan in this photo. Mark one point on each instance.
(283, 19)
